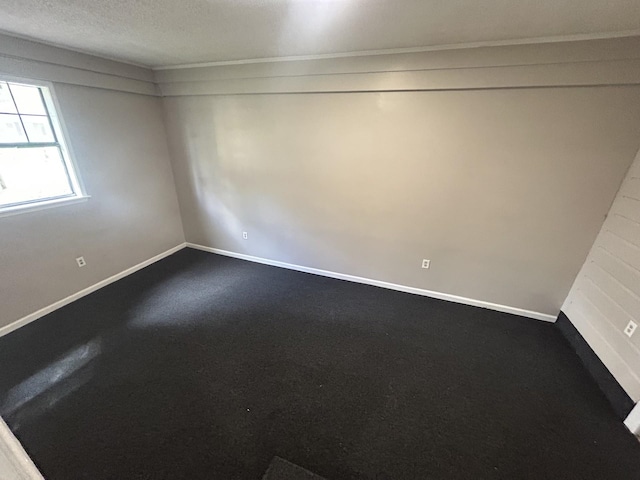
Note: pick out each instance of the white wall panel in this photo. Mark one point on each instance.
(606, 293)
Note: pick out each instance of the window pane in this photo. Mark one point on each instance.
(6, 102)
(11, 129)
(28, 99)
(38, 128)
(28, 174)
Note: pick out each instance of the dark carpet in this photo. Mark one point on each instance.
(280, 469)
(206, 367)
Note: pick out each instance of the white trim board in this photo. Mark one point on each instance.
(15, 464)
(379, 283)
(592, 63)
(86, 291)
(392, 51)
(325, 273)
(632, 422)
(33, 59)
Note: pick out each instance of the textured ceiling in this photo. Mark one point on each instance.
(168, 32)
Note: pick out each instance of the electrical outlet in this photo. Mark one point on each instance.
(245, 235)
(631, 328)
(80, 261)
(426, 263)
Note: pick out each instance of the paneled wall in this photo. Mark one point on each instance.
(606, 293)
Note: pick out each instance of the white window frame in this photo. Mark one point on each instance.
(61, 136)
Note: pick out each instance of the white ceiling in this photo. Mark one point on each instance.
(169, 32)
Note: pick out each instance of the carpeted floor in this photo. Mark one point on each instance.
(280, 469)
(206, 367)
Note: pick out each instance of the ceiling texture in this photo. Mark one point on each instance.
(172, 32)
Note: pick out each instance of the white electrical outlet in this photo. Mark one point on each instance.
(631, 328)
(426, 263)
(245, 235)
(81, 262)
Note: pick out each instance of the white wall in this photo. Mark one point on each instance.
(118, 138)
(606, 293)
(501, 176)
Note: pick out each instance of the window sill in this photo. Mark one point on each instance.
(32, 207)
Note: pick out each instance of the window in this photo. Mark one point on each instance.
(35, 168)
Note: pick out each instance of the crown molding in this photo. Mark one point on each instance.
(393, 51)
(578, 63)
(29, 59)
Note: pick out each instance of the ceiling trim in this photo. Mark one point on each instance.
(391, 51)
(38, 61)
(57, 73)
(26, 38)
(602, 62)
(584, 74)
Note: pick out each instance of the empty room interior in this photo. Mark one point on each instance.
(319, 239)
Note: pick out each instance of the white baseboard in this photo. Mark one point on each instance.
(326, 273)
(15, 464)
(378, 283)
(103, 283)
(633, 420)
